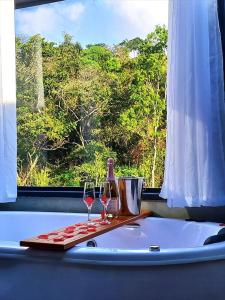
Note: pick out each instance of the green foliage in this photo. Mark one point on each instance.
(33, 175)
(99, 102)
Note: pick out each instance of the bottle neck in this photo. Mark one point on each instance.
(110, 173)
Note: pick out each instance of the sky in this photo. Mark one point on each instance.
(93, 21)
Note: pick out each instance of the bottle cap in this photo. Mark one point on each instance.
(110, 161)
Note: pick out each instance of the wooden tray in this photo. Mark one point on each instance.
(69, 236)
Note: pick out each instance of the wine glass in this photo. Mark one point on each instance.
(105, 197)
(89, 196)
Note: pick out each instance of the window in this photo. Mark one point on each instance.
(91, 79)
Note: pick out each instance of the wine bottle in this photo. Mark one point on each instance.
(113, 206)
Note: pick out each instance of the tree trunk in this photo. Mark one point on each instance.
(39, 73)
(154, 157)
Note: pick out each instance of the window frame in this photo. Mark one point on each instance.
(29, 3)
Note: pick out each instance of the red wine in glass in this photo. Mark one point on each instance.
(105, 197)
(89, 200)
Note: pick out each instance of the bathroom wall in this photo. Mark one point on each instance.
(159, 208)
(213, 214)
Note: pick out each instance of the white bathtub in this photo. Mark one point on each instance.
(120, 267)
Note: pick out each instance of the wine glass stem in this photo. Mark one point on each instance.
(89, 212)
(105, 213)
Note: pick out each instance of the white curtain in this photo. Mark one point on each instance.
(8, 186)
(195, 151)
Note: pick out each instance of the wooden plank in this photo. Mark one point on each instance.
(69, 236)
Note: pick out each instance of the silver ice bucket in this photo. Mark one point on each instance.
(130, 189)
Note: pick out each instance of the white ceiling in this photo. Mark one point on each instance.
(26, 3)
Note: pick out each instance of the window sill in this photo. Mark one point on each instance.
(149, 194)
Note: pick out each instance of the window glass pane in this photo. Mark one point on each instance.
(91, 79)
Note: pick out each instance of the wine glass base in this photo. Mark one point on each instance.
(105, 222)
(91, 223)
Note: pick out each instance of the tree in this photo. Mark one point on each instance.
(97, 102)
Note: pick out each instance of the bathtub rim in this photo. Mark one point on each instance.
(102, 257)
(114, 256)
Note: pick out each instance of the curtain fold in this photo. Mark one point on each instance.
(221, 15)
(8, 185)
(195, 151)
